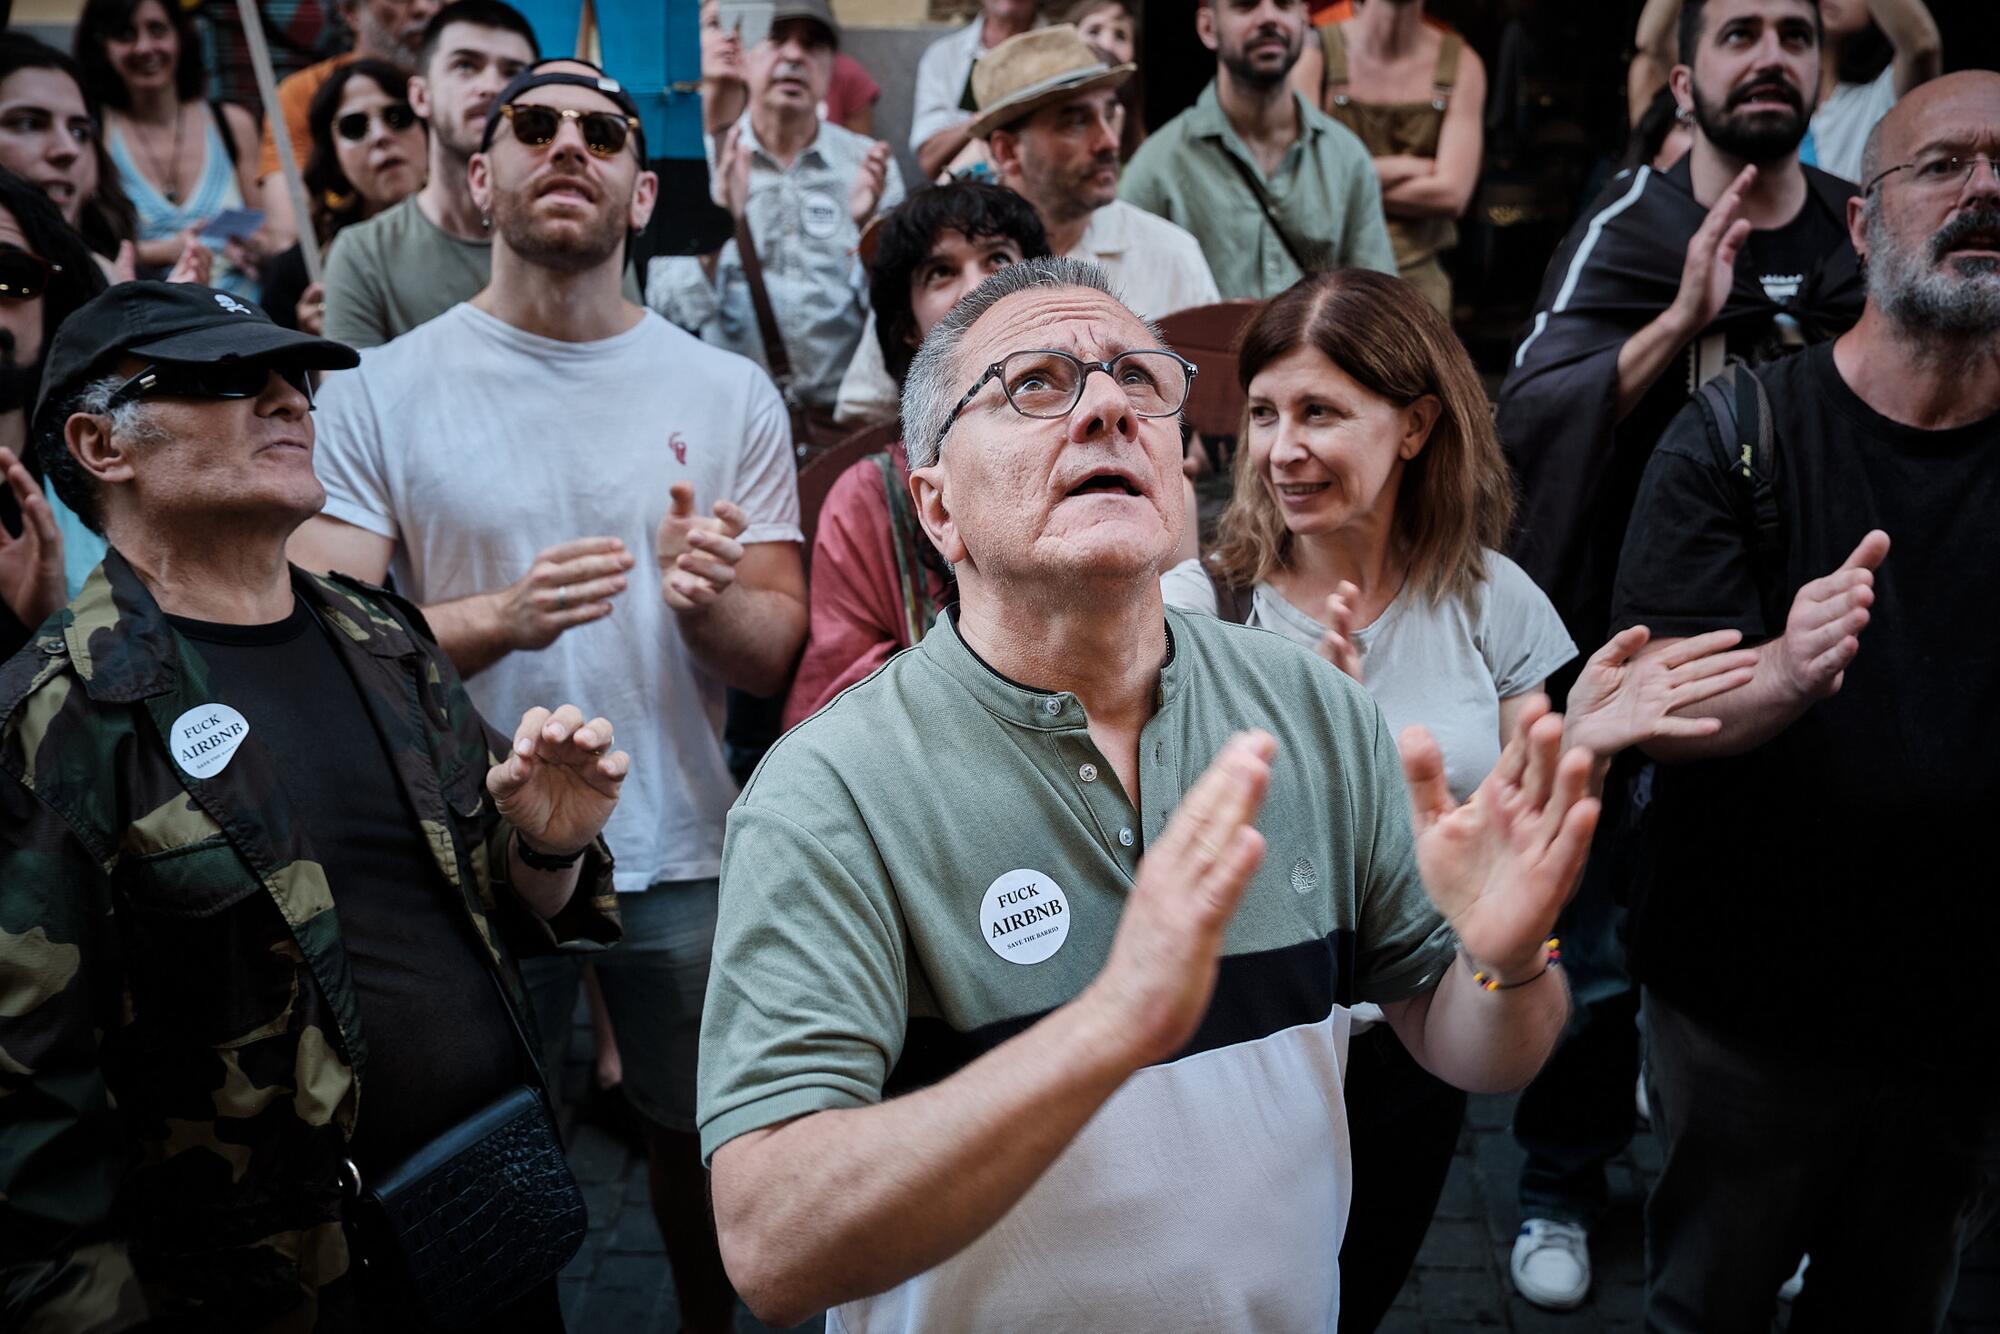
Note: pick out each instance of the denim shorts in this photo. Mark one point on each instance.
(654, 980)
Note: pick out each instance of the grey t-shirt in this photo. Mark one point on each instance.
(1446, 665)
(399, 269)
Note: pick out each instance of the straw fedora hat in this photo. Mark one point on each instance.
(1028, 72)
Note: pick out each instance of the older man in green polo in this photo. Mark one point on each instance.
(1036, 950)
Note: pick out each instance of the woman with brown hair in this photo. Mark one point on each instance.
(1370, 491)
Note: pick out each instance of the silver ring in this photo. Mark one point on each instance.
(562, 599)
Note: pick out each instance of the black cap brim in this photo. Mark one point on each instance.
(250, 341)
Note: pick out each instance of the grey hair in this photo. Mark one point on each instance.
(74, 486)
(933, 385)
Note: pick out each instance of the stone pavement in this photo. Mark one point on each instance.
(618, 1281)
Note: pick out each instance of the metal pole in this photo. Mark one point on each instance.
(281, 133)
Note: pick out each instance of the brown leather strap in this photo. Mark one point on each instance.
(1446, 76)
(1256, 189)
(776, 358)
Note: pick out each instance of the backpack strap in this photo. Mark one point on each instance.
(1333, 48)
(1445, 77)
(1739, 407)
(918, 611)
(222, 132)
(1232, 603)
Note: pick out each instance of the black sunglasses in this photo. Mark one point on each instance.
(23, 276)
(353, 127)
(219, 379)
(604, 132)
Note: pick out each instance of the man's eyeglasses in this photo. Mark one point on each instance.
(353, 127)
(219, 379)
(604, 132)
(1939, 171)
(1042, 382)
(23, 276)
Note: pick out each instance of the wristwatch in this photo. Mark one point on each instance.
(544, 861)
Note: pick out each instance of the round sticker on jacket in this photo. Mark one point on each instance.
(820, 215)
(1025, 917)
(205, 737)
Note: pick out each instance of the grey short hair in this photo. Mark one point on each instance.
(74, 486)
(933, 383)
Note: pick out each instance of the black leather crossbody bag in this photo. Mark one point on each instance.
(474, 1220)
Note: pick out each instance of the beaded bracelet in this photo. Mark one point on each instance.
(1551, 956)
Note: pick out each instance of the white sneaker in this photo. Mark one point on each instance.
(1796, 1284)
(1551, 1265)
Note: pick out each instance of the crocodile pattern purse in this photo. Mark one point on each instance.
(477, 1218)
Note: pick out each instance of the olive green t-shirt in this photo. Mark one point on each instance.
(398, 269)
(940, 857)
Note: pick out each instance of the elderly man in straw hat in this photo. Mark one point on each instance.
(1050, 115)
(1051, 119)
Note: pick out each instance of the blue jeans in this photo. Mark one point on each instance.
(1578, 1115)
(654, 980)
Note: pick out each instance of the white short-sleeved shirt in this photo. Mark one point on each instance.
(941, 74)
(1446, 665)
(475, 446)
(1841, 123)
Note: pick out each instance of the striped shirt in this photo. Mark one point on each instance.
(940, 857)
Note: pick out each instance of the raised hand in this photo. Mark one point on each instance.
(1622, 699)
(731, 186)
(569, 584)
(31, 565)
(1822, 633)
(197, 261)
(1710, 269)
(311, 310)
(1501, 866)
(869, 181)
(1337, 645)
(1161, 971)
(560, 781)
(697, 553)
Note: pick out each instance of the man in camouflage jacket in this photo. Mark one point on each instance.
(182, 1057)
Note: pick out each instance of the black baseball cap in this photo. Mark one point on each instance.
(174, 322)
(538, 75)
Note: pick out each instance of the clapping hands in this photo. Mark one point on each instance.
(1501, 865)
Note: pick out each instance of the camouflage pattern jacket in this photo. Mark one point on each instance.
(181, 1056)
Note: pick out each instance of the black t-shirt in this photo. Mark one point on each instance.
(440, 1043)
(1783, 257)
(1833, 887)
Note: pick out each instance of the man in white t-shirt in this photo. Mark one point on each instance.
(511, 460)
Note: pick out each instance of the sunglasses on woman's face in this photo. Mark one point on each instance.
(353, 127)
(23, 276)
(604, 132)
